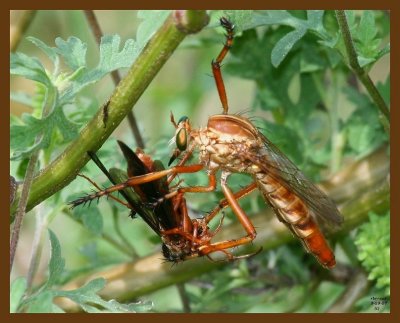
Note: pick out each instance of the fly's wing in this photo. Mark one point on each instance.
(273, 162)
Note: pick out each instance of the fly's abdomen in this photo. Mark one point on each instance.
(293, 212)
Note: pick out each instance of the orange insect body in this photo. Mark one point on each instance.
(234, 145)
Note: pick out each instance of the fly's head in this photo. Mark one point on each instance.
(181, 137)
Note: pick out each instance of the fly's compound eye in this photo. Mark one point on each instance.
(181, 139)
(183, 119)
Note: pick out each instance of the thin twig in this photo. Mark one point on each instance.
(97, 32)
(360, 72)
(19, 22)
(28, 181)
(117, 227)
(355, 289)
(29, 175)
(37, 246)
(23, 201)
(184, 297)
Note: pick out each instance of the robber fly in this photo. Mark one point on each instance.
(232, 144)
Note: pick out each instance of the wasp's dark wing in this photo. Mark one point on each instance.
(274, 163)
(163, 212)
(117, 176)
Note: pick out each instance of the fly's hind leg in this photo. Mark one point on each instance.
(242, 217)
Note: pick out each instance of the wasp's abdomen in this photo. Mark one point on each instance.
(293, 212)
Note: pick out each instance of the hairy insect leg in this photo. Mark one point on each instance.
(212, 184)
(99, 188)
(180, 208)
(137, 180)
(242, 217)
(188, 153)
(216, 64)
(224, 202)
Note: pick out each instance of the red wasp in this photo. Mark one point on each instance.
(182, 237)
(232, 144)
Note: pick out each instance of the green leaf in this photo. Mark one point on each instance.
(276, 17)
(250, 55)
(17, 291)
(28, 67)
(152, 20)
(49, 51)
(22, 98)
(22, 137)
(385, 50)
(285, 44)
(73, 50)
(41, 303)
(363, 130)
(62, 89)
(86, 296)
(111, 57)
(57, 263)
(384, 90)
(315, 19)
(373, 242)
(360, 137)
(366, 28)
(242, 19)
(91, 218)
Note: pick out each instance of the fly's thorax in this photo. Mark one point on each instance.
(232, 126)
(226, 149)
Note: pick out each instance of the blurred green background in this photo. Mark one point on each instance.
(281, 280)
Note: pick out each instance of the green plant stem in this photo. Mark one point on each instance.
(151, 273)
(97, 32)
(65, 168)
(117, 227)
(360, 72)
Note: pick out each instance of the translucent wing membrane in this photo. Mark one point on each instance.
(274, 163)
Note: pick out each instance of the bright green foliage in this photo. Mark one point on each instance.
(86, 296)
(367, 41)
(62, 87)
(17, 291)
(373, 241)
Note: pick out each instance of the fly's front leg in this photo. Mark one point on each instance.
(216, 64)
(182, 162)
(137, 180)
(111, 196)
